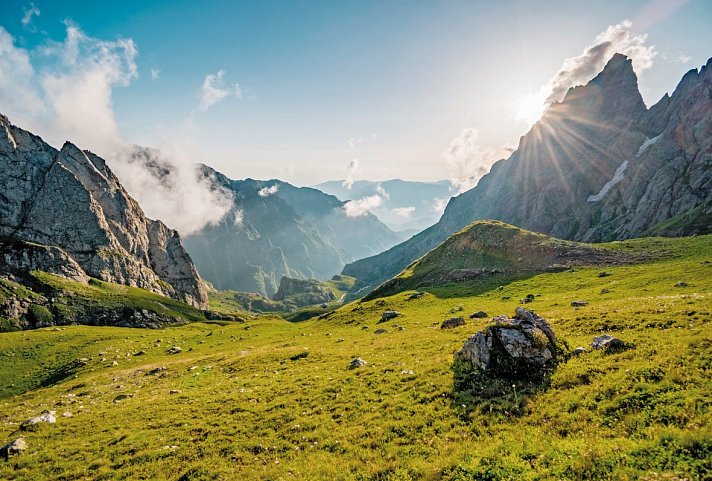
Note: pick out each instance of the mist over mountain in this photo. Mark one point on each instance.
(275, 229)
(597, 166)
(405, 206)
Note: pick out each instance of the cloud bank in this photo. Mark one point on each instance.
(467, 161)
(267, 191)
(361, 207)
(70, 97)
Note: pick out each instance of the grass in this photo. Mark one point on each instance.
(245, 410)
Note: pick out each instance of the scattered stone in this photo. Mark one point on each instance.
(529, 298)
(603, 274)
(388, 315)
(681, 284)
(139, 353)
(48, 417)
(356, 363)
(156, 371)
(415, 295)
(578, 351)
(511, 348)
(299, 356)
(608, 343)
(174, 391)
(380, 331)
(400, 328)
(558, 268)
(341, 339)
(458, 309)
(13, 448)
(452, 322)
(174, 350)
(324, 305)
(407, 372)
(605, 291)
(478, 315)
(364, 327)
(506, 298)
(500, 288)
(578, 303)
(67, 414)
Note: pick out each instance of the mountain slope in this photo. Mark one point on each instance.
(407, 205)
(274, 230)
(572, 154)
(65, 212)
(492, 253)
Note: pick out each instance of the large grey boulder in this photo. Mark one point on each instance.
(523, 346)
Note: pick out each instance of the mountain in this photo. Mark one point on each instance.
(65, 212)
(493, 253)
(407, 205)
(275, 229)
(598, 166)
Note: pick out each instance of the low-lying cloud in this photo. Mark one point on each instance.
(467, 161)
(361, 207)
(70, 98)
(350, 172)
(267, 191)
(404, 212)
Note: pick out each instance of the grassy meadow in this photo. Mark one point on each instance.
(266, 399)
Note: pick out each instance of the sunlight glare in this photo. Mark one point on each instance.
(531, 107)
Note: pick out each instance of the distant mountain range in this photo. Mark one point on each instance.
(275, 229)
(598, 166)
(406, 205)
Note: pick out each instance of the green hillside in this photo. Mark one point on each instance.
(271, 400)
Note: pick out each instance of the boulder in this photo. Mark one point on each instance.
(174, 350)
(452, 322)
(380, 331)
(608, 343)
(388, 315)
(578, 351)
(578, 303)
(415, 295)
(529, 298)
(48, 417)
(13, 448)
(356, 363)
(524, 346)
(478, 315)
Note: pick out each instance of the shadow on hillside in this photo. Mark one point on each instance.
(61, 373)
(475, 393)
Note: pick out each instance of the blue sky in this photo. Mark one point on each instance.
(390, 83)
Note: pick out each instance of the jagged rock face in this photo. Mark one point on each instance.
(70, 201)
(598, 166)
(303, 292)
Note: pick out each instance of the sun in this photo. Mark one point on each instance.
(530, 108)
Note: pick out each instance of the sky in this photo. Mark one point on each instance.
(309, 91)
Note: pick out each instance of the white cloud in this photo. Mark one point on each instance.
(267, 191)
(580, 69)
(353, 141)
(155, 73)
(28, 13)
(682, 58)
(467, 161)
(361, 207)
(439, 205)
(404, 212)
(71, 98)
(382, 192)
(215, 90)
(238, 217)
(350, 171)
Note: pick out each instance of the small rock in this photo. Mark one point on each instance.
(478, 315)
(529, 298)
(356, 363)
(603, 274)
(388, 315)
(415, 295)
(681, 284)
(452, 322)
(605, 291)
(578, 351)
(608, 342)
(156, 371)
(139, 353)
(578, 303)
(174, 350)
(49, 417)
(299, 356)
(174, 391)
(407, 372)
(13, 448)
(122, 397)
(67, 414)
(380, 331)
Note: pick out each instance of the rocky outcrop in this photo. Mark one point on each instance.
(303, 292)
(71, 203)
(524, 346)
(598, 166)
